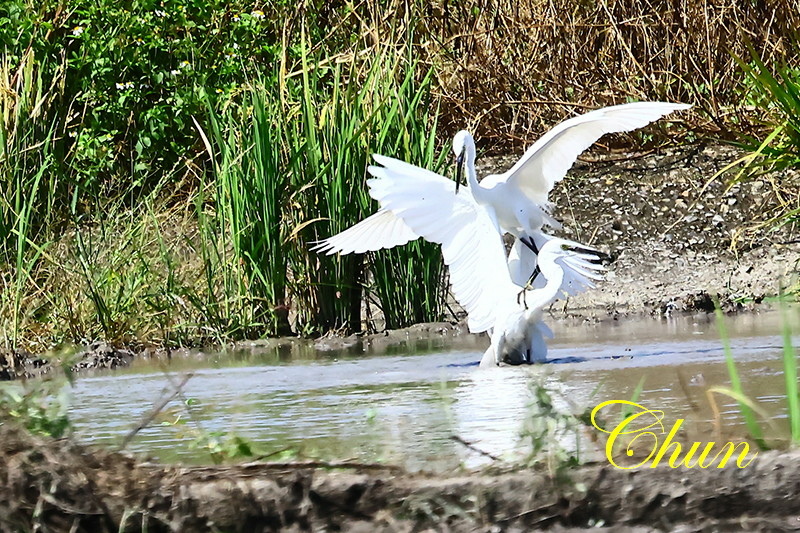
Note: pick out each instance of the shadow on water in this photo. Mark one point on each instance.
(405, 407)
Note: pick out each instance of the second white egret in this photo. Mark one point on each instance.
(519, 332)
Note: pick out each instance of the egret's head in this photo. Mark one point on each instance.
(460, 142)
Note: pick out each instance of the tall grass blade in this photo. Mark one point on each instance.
(736, 386)
(790, 375)
(778, 95)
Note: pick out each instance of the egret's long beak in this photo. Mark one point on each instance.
(459, 170)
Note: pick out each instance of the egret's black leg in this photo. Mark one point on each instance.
(536, 271)
(522, 295)
(530, 244)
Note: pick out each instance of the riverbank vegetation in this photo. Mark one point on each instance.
(165, 167)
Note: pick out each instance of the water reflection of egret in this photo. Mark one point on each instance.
(495, 431)
(507, 433)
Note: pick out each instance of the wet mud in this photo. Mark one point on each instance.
(96, 356)
(57, 485)
(680, 237)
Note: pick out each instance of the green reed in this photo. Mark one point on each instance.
(244, 243)
(28, 183)
(348, 113)
(328, 140)
(409, 281)
(776, 92)
(790, 375)
(747, 407)
(736, 385)
(288, 168)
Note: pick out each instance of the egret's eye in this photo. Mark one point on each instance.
(460, 159)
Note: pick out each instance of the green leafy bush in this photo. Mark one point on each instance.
(38, 406)
(137, 71)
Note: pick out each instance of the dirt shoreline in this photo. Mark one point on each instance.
(58, 485)
(667, 226)
(676, 235)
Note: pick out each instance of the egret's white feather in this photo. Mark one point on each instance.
(548, 159)
(471, 241)
(380, 230)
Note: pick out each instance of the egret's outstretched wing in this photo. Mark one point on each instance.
(378, 231)
(580, 272)
(471, 243)
(549, 159)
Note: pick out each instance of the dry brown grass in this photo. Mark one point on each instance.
(509, 70)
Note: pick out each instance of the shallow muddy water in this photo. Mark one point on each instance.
(404, 408)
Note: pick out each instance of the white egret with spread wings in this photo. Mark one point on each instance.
(469, 221)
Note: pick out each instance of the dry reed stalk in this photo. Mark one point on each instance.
(509, 70)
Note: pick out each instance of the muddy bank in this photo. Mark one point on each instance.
(104, 356)
(61, 486)
(676, 236)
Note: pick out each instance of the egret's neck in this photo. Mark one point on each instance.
(554, 274)
(478, 192)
